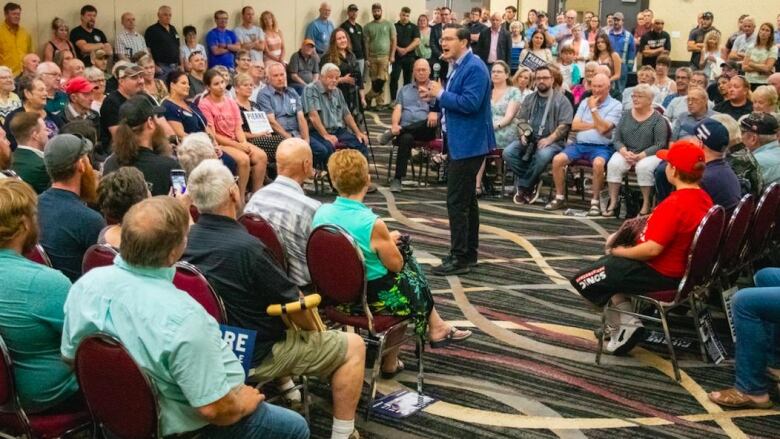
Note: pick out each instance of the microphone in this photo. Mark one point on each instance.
(436, 71)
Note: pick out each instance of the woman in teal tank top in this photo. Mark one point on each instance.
(396, 284)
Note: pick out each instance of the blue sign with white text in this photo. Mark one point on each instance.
(241, 342)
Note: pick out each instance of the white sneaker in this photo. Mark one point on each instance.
(386, 137)
(625, 338)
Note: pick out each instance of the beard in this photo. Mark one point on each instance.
(89, 184)
(542, 87)
(377, 16)
(5, 159)
(159, 142)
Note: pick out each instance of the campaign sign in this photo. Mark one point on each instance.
(533, 62)
(241, 342)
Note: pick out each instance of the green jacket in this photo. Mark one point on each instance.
(29, 167)
(746, 167)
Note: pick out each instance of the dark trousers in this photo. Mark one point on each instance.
(404, 65)
(322, 149)
(662, 186)
(462, 207)
(417, 131)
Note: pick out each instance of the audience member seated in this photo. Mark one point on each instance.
(666, 86)
(304, 66)
(593, 126)
(72, 68)
(284, 204)
(130, 82)
(195, 148)
(658, 260)
(759, 134)
(32, 296)
(350, 81)
(682, 79)
(765, 100)
(80, 92)
(153, 87)
(697, 105)
(641, 133)
(282, 106)
(756, 311)
(740, 159)
(9, 101)
(329, 116)
(5, 153)
(223, 114)
(737, 103)
(50, 74)
(34, 92)
(28, 128)
(97, 78)
(678, 106)
(260, 137)
(248, 279)
(646, 75)
(68, 227)
(117, 192)
(412, 120)
(396, 283)
(141, 142)
(189, 47)
(197, 63)
(549, 115)
(201, 387)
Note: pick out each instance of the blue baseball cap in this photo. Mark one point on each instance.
(713, 134)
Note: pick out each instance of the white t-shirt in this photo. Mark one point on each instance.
(246, 35)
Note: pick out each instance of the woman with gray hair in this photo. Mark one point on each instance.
(640, 133)
(9, 101)
(194, 149)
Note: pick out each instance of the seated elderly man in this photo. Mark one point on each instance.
(199, 381)
(329, 116)
(247, 278)
(30, 132)
(698, 109)
(593, 124)
(284, 204)
(759, 134)
(282, 105)
(412, 120)
(740, 159)
(32, 296)
(678, 106)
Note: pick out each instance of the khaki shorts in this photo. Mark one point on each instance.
(304, 353)
(377, 68)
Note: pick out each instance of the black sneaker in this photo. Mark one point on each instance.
(449, 267)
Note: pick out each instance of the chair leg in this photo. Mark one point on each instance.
(600, 347)
(669, 344)
(695, 311)
(420, 368)
(374, 374)
(305, 396)
(390, 163)
(582, 184)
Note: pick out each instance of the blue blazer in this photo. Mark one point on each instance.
(466, 103)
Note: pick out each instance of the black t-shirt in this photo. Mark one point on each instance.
(697, 35)
(164, 44)
(713, 93)
(405, 34)
(355, 32)
(109, 116)
(95, 37)
(156, 169)
(725, 107)
(654, 40)
(244, 275)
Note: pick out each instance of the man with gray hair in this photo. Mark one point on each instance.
(193, 149)
(50, 74)
(248, 279)
(199, 380)
(329, 116)
(163, 41)
(685, 125)
(128, 41)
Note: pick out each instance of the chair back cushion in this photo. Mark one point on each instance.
(336, 264)
(766, 212)
(704, 251)
(7, 397)
(261, 229)
(119, 395)
(38, 254)
(97, 255)
(736, 233)
(189, 279)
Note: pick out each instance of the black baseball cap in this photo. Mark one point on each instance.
(138, 109)
(760, 123)
(352, 7)
(730, 64)
(707, 14)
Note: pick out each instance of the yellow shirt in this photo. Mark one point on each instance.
(13, 47)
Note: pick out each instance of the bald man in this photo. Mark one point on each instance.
(774, 81)
(320, 29)
(285, 205)
(593, 125)
(128, 40)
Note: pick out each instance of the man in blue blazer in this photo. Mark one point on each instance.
(468, 136)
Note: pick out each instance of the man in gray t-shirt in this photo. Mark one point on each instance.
(251, 37)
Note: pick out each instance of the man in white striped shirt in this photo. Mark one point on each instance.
(284, 204)
(128, 41)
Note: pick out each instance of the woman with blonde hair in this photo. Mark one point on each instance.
(765, 99)
(60, 41)
(711, 59)
(518, 44)
(9, 101)
(152, 86)
(523, 79)
(274, 42)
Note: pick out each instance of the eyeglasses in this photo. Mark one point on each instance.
(544, 78)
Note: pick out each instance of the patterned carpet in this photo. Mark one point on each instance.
(529, 369)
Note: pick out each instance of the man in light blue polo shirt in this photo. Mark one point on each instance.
(759, 134)
(282, 105)
(593, 124)
(199, 381)
(320, 29)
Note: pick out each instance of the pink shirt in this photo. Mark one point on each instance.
(224, 116)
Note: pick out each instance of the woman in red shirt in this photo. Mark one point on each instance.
(658, 259)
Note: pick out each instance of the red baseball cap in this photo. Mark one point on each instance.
(79, 84)
(683, 155)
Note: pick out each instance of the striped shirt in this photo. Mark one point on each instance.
(284, 205)
(129, 43)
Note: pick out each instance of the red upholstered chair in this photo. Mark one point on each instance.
(38, 254)
(261, 229)
(98, 255)
(760, 234)
(338, 272)
(120, 397)
(194, 213)
(190, 280)
(14, 420)
(733, 242)
(693, 286)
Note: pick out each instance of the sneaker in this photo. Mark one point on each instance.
(555, 204)
(519, 197)
(395, 185)
(595, 210)
(533, 194)
(451, 268)
(386, 137)
(625, 338)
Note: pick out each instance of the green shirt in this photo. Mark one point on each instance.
(167, 333)
(31, 319)
(29, 166)
(331, 106)
(358, 220)
(379, 35)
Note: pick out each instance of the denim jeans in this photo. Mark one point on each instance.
(268, 421)
(757, 324)
(527, 172)
(662, 186)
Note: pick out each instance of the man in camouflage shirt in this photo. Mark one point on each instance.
(742, 162)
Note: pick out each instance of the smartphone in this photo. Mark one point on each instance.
(178, 182)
